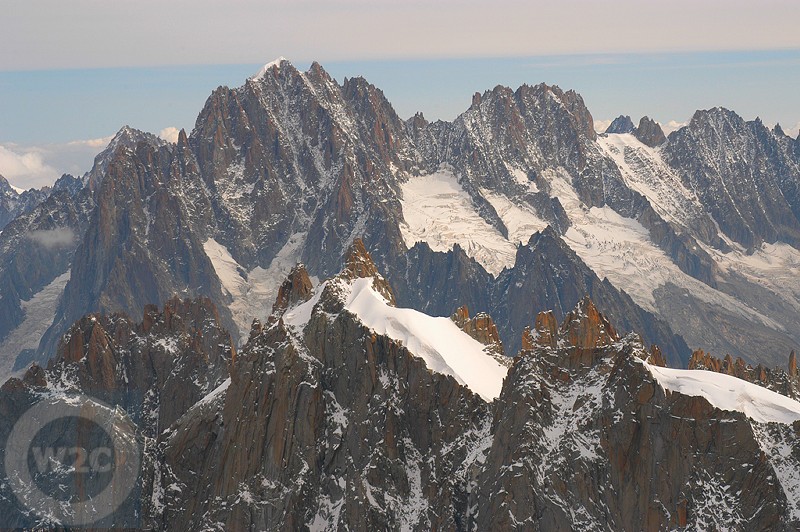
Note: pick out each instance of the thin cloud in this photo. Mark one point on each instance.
(52, 238)
(671, 126)
(792, 131)
(601, 125)
(580, 60)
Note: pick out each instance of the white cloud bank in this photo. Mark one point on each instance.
(672, 125)
(170, 134)
(24, 166)
(37, 166)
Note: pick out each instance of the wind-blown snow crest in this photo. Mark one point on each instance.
(437, 340)
(729, 393)
(260, 74)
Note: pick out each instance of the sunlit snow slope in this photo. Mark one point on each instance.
(437, 340)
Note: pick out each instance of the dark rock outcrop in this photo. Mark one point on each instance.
(145, 376)
(649, 132)
(715, 151)
(621, 124)
(482, 328)
(589, 439)
(296, 288)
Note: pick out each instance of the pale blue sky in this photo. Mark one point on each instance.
(72, 73)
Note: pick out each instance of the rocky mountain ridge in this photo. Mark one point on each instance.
(325, 422)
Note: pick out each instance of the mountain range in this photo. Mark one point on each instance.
(333, 395)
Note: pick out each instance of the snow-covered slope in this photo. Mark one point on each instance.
(437, 340)
(438, 211)
(644, 171)
(39, 312)
(729, 393)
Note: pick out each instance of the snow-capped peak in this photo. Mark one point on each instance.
(266, 68)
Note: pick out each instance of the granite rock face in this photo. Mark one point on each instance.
(746, 176)
(587, 438)
(145, 375)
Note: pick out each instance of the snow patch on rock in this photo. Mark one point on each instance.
(252, 292)
(437, 340)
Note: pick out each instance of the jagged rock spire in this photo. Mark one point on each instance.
(296, 287)
(793, 364)
(621, 124)
(585, 327)
(649, 132)
(546, 328)
(481, 327)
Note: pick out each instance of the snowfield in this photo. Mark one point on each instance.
(39, 313)
(252, 293)
(438, 211)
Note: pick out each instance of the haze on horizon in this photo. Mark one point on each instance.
(80, 70)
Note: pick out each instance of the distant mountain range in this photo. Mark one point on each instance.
(700, 229)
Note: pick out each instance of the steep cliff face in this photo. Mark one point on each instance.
(143, 243)
(294, 152)
(326, 424)
(37, 250)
